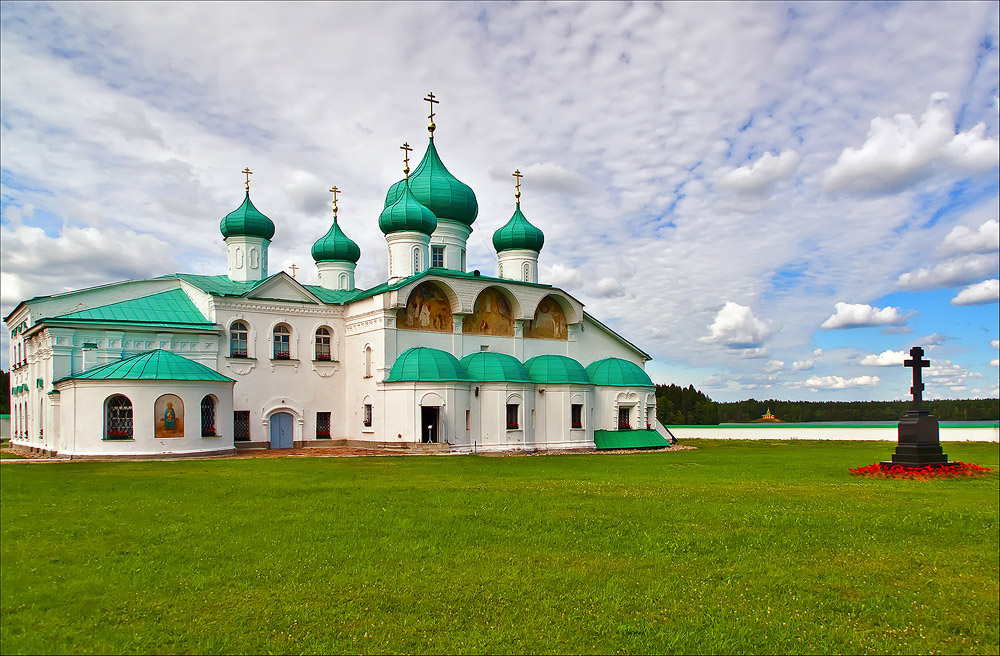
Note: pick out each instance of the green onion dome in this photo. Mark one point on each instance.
(406, 213)
(518, 234)
(556, 369)
(489, 367)
(616, 372)
(438, 190)
(246, 221)
(335, 246)
(423, 363)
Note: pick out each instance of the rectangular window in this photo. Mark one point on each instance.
(322, 425)
(437, 256)
(512, 412)
(624, 419)
(576, 415)
(468, 420)
(241, 425)
(368, 414)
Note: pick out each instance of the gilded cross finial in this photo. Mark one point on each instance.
(334, 191)
(248, 173)
(406, 159)
(517, 187)
(430, 122)
(294, 269)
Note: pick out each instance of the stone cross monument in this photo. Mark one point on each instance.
(919, 442)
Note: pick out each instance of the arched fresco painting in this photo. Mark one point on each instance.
(426, 309)
(491, 315)
(549, 321)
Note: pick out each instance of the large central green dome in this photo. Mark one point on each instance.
(246, 221)
(438, 190)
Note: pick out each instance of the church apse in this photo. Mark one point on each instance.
(549, 321)
(428, 308)
(491, 315)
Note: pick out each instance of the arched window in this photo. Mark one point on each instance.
(527, 272)
(500, 272)
(368, 362)
(208, 416)
(282, 342)
(238, 338)
(118, 418)
(323, 343)
(343, 281)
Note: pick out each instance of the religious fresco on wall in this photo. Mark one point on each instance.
(168, 413)
(491, 315)
(549, 321)
(426, 309)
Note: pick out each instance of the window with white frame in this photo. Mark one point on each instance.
(239, 336)
(437, 256)
(323, 344)
(282, 342)
(368, 415)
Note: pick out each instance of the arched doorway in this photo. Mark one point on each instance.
(281, 431)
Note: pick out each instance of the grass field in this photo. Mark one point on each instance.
(734, 547)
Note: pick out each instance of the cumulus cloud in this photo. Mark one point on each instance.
(959, 271)
(736, 326)
(995, 343)
(987, 291)
(817, 383)
(961, 239)
(947, 374)
(803, 365)
(861, 315)
(607, 288)
(760, 176)
(773, 366)
(884, 359)
(901, 150)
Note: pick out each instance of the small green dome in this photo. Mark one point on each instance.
(423, 363)
(335, 246)
(518, 234)
(438, 190)
(406, 213)
(616, 372)
(246, 221)
(488, 367)
(554, 369)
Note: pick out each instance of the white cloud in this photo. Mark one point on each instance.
(959, 271)
(607, 288)
(986, 239)
(773, 366)
(861, 315)
(736, 326)
(901, 150)
(995, 362)
(884, 359)
(803, 365)
(543, 176)
(987, 291)
(836, 382)
(760, 176)
(995, 343)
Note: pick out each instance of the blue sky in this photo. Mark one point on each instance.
(774, 200)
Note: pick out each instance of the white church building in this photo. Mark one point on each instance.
(206, 365)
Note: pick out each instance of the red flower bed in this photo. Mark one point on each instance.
(950, 470)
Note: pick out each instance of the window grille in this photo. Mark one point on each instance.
(576, 415)
(282, 343)
(512, 418)
(238, 337)
(323, 344)
(322, 425)
(241, 425)
(624, 418)
(119, 418)
(437, 256)
(208, 417)
(368, 414)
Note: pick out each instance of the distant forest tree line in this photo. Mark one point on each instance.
(686, 405)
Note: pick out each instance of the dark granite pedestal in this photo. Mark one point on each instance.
(919, 442)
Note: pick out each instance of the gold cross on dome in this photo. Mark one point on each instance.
(406, 159)
(248, 173)
(334, 191)
(430, 122)
(294, 269)
(517, 187)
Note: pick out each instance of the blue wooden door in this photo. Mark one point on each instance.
(281, 431)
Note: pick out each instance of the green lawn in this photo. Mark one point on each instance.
(735, 547)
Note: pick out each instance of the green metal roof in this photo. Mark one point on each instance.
(629, 439)
(335, 246)
(247, 220)
(426, 364)
(438, 190)
(219, 285)
(518, 233)
(616, 372)
(153, 365)
(488, 367)
(406, 213)
(173, 306)
(553, 369)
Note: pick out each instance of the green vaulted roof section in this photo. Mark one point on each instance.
(153, 365)
(629, 439)
(488, 367)
(555, 369)
(246, 220)
(173, 307)
(426, 364)
(438, 190)
(616, 372)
